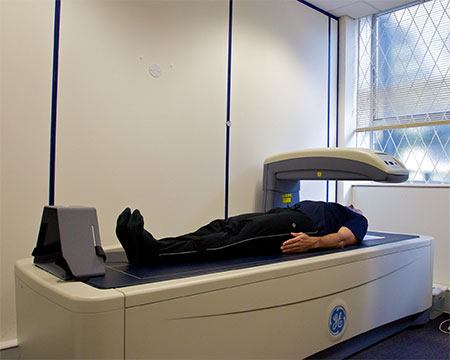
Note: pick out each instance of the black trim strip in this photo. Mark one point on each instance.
(337, 104)
(328, 98)
(337, 85)
(51, 196)
(318, 9)
(228, 123)
(329, 84)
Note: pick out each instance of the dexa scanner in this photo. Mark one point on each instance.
(324, 303)
(282, 172)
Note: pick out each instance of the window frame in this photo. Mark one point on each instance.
(373, 127)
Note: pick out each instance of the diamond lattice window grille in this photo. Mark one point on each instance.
(404, 66)
(403, 94)
(425, 151)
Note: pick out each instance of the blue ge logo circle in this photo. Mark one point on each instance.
(336, 322)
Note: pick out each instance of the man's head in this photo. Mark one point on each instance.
(356, 210)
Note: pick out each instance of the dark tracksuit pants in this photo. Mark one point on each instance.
(242, 235)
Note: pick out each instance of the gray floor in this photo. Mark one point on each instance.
(425, 342)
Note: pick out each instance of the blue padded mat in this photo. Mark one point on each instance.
(120, 273)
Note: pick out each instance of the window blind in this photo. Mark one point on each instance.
(404, 68)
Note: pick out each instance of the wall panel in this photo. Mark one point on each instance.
(279, 90)
(126, 138)
(26, 36)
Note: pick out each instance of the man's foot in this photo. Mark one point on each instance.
(122, 234)
(145, 245)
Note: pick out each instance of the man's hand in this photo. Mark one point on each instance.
(302, 242)
(299, 243)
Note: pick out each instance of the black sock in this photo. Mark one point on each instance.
(122, 234)
(145, 245)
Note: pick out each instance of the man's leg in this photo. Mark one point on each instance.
(195, 244)
(243, 235)
(222, 225)
(263, 234)
(247, 235)
(142, 248)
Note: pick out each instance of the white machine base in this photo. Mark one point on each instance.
(291, 309)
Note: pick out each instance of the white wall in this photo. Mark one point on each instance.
(279, 91)
(128, 139)
(416, 210)
(348, 77)
(125, 138)
(26, 71)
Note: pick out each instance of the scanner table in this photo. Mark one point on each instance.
(283, 306)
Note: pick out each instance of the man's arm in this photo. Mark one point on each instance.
(302, 242)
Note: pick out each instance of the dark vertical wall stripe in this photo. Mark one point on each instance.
(329, 83)
(51, 197)
(337, 85)
(337, 104)
(318, 9)
(328, 93)
(228, 123)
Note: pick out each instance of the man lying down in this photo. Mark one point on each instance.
(306, 225)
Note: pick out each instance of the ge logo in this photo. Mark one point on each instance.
(336, 322)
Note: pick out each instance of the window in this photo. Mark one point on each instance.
(403, 97)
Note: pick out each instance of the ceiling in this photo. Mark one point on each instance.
(357, 8)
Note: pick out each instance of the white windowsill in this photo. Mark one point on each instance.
(403, 185)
